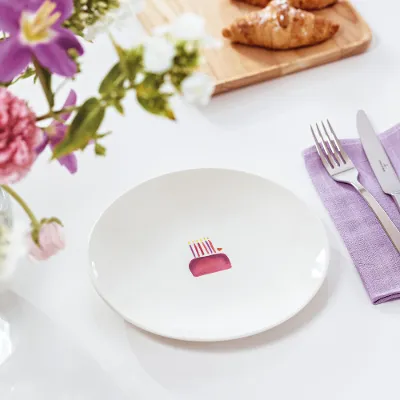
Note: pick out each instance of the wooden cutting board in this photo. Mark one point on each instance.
(235, 66)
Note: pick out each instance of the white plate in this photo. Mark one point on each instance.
(140, 256)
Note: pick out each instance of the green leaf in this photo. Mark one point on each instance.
(47, 88)
(102, 135)
(122, 55)
(185, 59)
(158, 105)
(114, 78)
(112, 88)
(118, 106)
(27, 74)
(150, 87)
(177, 77)
(87, 119)
(185, 63)
(83, 128)
(135, 63)
(45, 80)
(100, 150)
(131, 61)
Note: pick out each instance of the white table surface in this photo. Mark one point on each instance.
(339, 347)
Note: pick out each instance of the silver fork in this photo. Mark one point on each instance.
(341, 169)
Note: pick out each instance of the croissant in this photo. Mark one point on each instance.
(303, 4)
(311, 4)
(279, 27)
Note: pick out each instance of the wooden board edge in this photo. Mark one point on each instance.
(363, 44)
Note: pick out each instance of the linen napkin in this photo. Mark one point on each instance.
(372, 252)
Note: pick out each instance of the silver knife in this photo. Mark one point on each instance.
(377, 157)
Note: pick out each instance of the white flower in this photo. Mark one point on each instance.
(99, 27)
(188, 26)
(118, 17)
(13, 246)
(161, 30)
(158, 54)
(167, 87)
(198, 88)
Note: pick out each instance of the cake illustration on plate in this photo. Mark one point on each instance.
(207, 259)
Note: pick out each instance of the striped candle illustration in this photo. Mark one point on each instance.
(207, 259)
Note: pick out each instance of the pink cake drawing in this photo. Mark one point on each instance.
(207, 259)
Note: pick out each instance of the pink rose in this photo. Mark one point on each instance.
(19, 138)
(51, 239)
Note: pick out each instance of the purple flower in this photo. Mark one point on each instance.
(35, 30)
(55, 133)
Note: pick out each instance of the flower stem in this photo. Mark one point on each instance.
(53, 114)
(21, 202)
(61, 85)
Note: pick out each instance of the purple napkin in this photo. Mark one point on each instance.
(373, 254)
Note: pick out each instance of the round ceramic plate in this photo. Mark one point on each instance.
(208, 255)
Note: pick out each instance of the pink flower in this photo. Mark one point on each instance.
(19, 138)
(51, 239)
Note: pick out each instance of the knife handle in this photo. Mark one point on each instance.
(384, 219)
(396, 198)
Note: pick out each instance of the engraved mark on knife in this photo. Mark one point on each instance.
(383, 165)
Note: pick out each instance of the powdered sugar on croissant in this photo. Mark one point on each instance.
(280, 26)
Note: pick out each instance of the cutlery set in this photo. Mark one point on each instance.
(340, 167)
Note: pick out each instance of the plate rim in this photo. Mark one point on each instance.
(216, 339)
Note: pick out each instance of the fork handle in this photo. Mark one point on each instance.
(387, 224)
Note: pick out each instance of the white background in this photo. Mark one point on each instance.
(340, 346)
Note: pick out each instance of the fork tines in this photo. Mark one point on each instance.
(329, 148)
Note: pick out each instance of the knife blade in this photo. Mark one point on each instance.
(378, 158)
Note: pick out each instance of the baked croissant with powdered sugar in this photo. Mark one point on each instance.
(280, 26)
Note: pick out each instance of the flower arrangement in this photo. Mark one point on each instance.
(43, 38)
